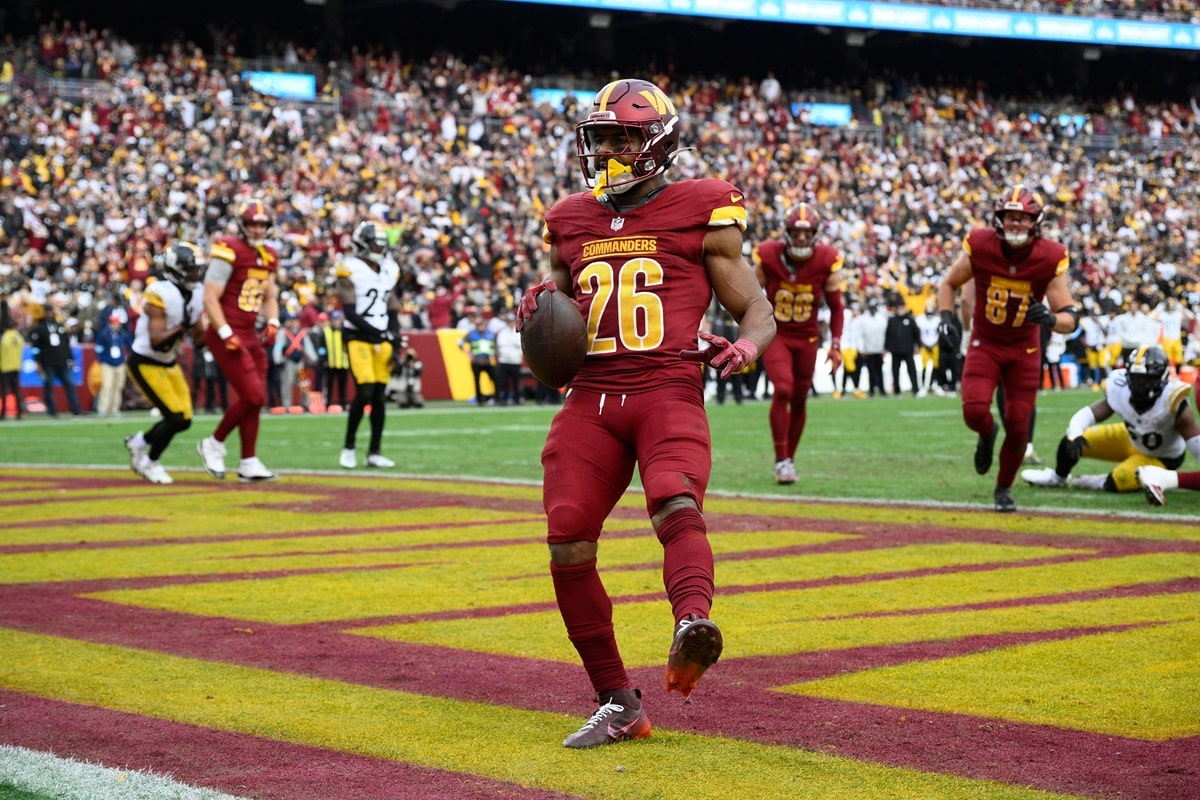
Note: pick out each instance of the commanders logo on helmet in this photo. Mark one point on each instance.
(803, 224)
(651, 127)
(252, 212)
(181, 265)
(369, 241)
(1147, 373)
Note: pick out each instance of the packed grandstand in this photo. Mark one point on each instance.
(113, 149)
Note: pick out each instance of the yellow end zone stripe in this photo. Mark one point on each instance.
(493, 741)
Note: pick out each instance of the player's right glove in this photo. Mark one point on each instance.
(949, 335)
(528, 302)
(229, 338)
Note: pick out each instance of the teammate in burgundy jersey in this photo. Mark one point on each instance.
(239, 286)
(1014, 270)
(642, 258)
(796, 275)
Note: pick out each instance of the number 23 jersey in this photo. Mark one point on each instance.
(371, 289)
(639, 275)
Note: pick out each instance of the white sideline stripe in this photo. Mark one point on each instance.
(67, 779)
(981, 505)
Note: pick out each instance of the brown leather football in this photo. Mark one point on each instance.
(554, 339)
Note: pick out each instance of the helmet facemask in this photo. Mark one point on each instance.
(369, 242)
(1022, 201)
(181, 266)
(1016, 238)
(801, 228)
(1147, 373)
(801, 242)
(254, 213)
(633, 119)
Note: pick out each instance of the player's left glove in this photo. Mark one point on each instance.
(1040, 314)
(1074, 447)
(835, 356)
(723, 355)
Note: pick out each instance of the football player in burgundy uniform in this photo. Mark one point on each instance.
(642, 258)
(1014, 270)
(797, 274)
(239, 286)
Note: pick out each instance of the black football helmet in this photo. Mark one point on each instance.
(1148, 372)
(182, 264)
(651, 133)
(369, 241)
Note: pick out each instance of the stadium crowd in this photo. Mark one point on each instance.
(455, 158)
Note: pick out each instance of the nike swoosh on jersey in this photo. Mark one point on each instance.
(735, 197)
(1031, 350)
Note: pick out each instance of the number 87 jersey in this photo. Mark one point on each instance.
(639, 275)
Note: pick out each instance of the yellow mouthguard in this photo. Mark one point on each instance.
(614, 170)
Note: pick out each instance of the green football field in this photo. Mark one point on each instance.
(899, 449)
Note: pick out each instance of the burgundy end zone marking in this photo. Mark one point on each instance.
(736, 697)
(232, 762)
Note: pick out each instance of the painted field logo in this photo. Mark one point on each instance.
(268, 641)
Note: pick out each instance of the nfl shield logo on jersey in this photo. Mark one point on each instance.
(618, 223)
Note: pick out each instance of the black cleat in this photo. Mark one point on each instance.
(1004, 500)
(984, 449)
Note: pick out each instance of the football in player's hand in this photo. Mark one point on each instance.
(554, 339)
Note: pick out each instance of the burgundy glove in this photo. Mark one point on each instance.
(835, 356)
(723, 355)
(529, 301)
(269, 333)
(233, 343)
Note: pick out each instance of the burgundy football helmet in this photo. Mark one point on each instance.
(651, 133)
(1022, 199)
(802, 226)
(253, 211)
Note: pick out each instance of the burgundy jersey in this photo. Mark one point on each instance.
(1004, 287)
(639, 275)
(247, 286)
(796, 289)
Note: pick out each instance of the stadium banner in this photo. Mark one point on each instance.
(1095, 31)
